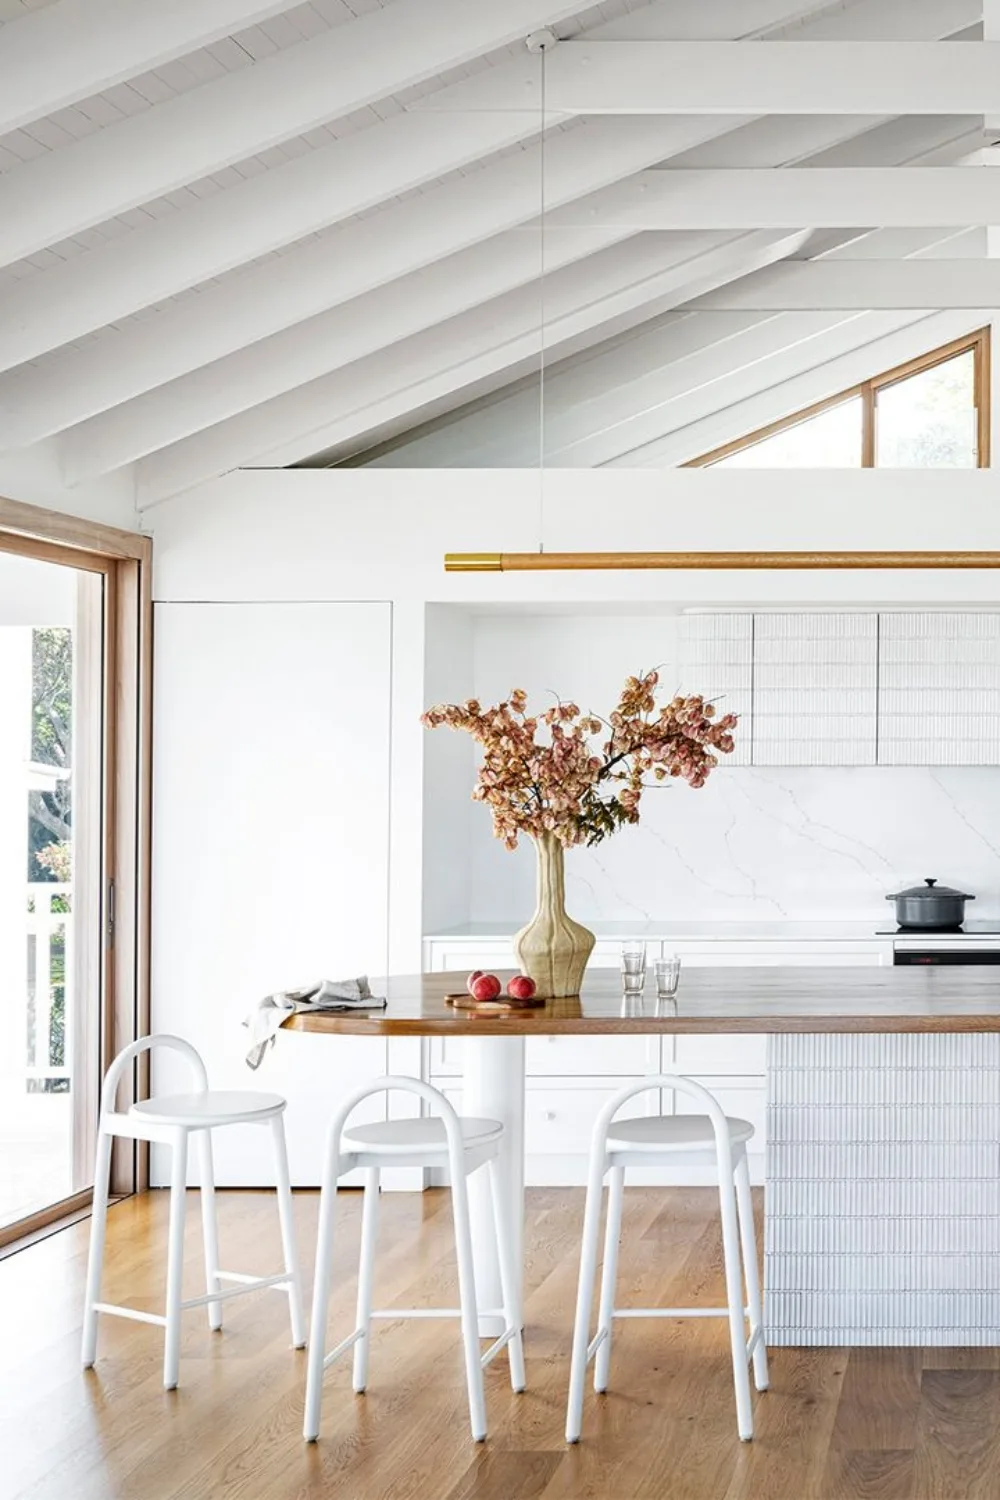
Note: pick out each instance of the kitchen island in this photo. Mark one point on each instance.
(882, 1188)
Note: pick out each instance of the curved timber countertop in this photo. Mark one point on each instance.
(708, 1000)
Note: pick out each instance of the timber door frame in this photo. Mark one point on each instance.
(125, 560)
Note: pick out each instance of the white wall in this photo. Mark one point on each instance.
(270, 843)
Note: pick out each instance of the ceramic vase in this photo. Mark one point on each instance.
(552, 948)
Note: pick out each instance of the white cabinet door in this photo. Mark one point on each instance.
(814, 689)
(271, 781)
(939, 689)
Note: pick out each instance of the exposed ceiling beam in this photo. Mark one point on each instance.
(825, 197)
(150, 265)
(312, 349)
(320, 274)
(861, 285)
(798, 78)
(262, 214)
(723, 20)
(53, 57)
(579, 299)
(436, 295)
(196, 133)
(36, 402)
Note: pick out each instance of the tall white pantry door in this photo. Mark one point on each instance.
(270, 847)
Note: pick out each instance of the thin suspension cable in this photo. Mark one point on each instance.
(541, 312)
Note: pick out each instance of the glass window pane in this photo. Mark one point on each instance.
(929, 420)
(51, 628)
(829, 440)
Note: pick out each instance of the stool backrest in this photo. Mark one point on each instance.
(128, 1054)
(680, 1085)
(388, 1084)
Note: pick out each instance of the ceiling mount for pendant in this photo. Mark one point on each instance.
(540, 41)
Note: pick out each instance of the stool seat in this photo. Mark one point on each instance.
(419, 1135)
(673, 1132)
(210, 1107)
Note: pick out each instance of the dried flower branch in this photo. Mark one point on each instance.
(563, 784)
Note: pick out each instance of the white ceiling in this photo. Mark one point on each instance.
(251, 232)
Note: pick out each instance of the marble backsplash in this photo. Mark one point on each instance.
(769, 844)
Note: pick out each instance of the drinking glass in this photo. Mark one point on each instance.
(667, 972)
(633, 968)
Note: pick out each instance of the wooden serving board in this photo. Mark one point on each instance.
(464, 1001)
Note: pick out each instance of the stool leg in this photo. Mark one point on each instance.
(287, 1221)
(609, 1274)
(467, 1303)
(508, 1276)
(175, 1259)
(210, 1228)
(321, 1300)
(734, 1297)
(95, 1260)
(366, 1278)
(751, 1271)
(584, 1295)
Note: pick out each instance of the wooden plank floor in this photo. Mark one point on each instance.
(836, 1424)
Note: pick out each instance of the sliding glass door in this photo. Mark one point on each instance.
(55, 789)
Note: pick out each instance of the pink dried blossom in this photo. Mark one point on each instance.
(564, 785)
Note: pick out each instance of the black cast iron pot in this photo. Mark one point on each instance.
(930, 907)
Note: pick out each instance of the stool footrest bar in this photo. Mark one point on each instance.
(258, 1283)
(130, 1312)
(496, 1346)
(754, 1340)
(596, 1342)
(342, 1347)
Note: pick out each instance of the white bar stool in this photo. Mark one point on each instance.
(664, 1140)
(460, 1145)
(170, 1120)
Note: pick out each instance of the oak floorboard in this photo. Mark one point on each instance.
(837, 1424)
(957, 1455)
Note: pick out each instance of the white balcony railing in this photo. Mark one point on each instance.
(49, 1040)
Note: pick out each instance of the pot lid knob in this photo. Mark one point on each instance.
(928, 881)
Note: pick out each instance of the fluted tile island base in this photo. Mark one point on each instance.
(882, 1203)
(883, 1189)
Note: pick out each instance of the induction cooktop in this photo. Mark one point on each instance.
(983, 928)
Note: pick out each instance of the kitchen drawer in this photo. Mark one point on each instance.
(563, 1056)
(560, 1121)
(554, 1056)
(711, 1053)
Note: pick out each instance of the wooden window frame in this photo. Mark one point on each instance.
(125, 560)
(868, 391)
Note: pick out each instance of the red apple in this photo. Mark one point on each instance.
(486, 987)
(476, 974)
(521, 987)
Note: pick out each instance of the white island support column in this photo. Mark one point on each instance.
(493, 1088)
(883, 1189)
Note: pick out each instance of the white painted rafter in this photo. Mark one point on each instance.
(579, 299)
(436, 295)
(863, 285)
(321, 274)
(825, 197)
(260, 215)
(798, 78)
(199, 132)
(53, 57)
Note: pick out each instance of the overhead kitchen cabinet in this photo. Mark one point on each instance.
(939, 689)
